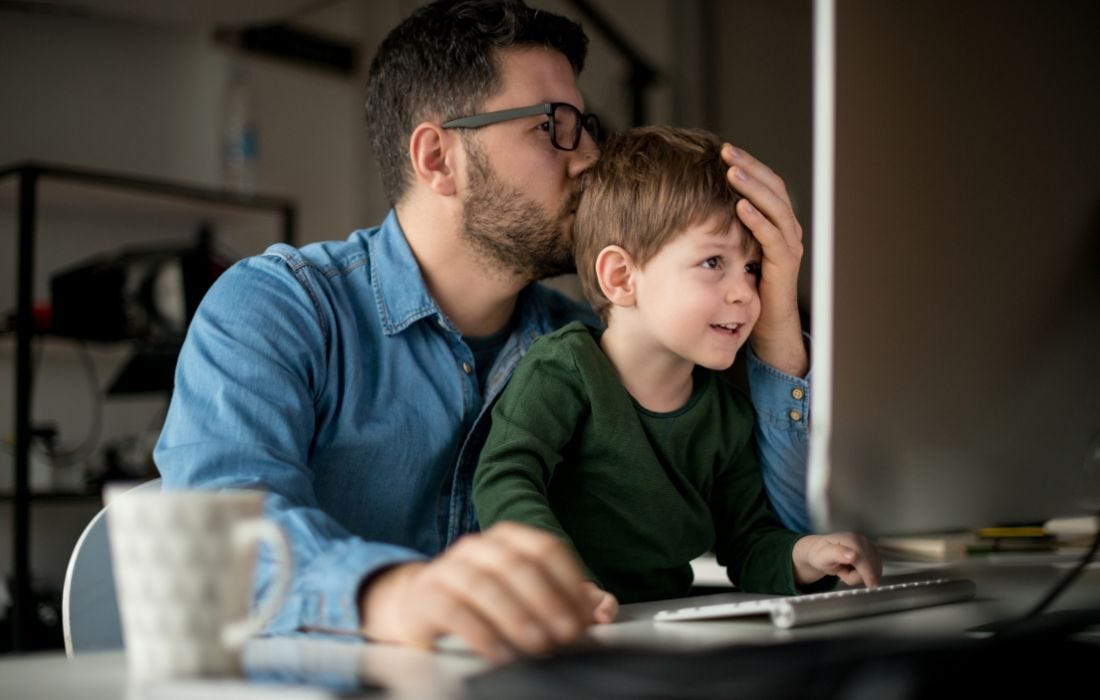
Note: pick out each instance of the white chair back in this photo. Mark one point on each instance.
(89, 605)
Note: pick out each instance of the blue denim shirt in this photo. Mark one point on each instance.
(328, 376)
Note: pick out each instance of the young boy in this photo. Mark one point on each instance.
(627, 443)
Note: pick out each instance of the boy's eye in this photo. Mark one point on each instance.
(753, 268)
(713, 263)
(545, 126)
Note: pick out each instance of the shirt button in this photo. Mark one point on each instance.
(797, 394)
(795, 416)
(467, 368)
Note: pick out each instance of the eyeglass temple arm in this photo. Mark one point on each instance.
(502, 115)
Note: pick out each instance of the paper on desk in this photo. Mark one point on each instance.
(935, 548)
(1082, 525)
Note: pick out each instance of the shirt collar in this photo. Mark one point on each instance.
(399, 288)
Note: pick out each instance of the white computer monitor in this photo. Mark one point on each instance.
(956, 266)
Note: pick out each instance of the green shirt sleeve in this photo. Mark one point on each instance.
(532, 422)
(749, 539)
(753, 545)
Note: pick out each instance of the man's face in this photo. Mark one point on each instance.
(521, 192)
(512, 229)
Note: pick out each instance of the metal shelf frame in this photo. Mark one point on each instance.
(30, 175)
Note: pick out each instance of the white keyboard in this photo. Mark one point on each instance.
(810, 609)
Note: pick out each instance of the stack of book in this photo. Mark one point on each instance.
(1063, 536)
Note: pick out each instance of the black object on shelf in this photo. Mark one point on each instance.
(30, 175)
(147, 292)
(151, 368)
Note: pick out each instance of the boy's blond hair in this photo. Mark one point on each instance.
(649, 185)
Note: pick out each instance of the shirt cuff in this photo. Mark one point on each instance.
(781, 400)
(325, 597)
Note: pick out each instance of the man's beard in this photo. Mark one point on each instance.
(508, 228)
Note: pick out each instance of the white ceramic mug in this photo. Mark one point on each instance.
(183, 563)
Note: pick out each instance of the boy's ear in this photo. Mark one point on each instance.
(431, 151)
(615, 273)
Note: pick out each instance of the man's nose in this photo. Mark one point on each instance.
(584, 156)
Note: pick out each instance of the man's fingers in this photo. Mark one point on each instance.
(422, 608)
(605, 606)
(734, 156)
(482, 591)
(767, 200)
(560, 577)
(520, 596)
(774, 208)
(509, 580)
(777, 247)
(502, 592)
(606, 612)
(478, 633)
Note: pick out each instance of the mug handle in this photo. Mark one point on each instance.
(246, 534)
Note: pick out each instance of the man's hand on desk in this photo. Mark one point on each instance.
(605, 607)
(511, 589)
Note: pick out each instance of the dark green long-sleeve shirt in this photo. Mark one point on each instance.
(637, 494)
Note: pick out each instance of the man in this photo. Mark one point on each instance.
(351, 380)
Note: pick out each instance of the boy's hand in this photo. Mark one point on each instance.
(766, 210)
(507, 591)
(851, 557)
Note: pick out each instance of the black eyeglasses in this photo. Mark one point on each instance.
(566, 120)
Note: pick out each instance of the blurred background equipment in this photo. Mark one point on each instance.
(147, 293)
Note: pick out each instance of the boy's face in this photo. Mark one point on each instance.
(697, 297)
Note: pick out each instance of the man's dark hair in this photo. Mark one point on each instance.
(442, 63)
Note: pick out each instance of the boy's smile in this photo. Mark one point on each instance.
(732, 329)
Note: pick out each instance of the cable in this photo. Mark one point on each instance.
(64, 458)
(1068, 579)
(67, 457)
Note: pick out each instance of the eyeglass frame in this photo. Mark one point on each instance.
(476, 121)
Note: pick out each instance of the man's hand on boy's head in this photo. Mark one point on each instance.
(847, 555)
(509, 590)
(767, 211)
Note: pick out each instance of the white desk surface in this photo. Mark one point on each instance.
(347, 668)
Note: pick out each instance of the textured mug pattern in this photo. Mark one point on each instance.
(183, 566)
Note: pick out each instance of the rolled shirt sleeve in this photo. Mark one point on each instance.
(782, 404)
(243, 415)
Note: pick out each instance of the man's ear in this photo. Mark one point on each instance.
(431, 150)
(615, 272)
